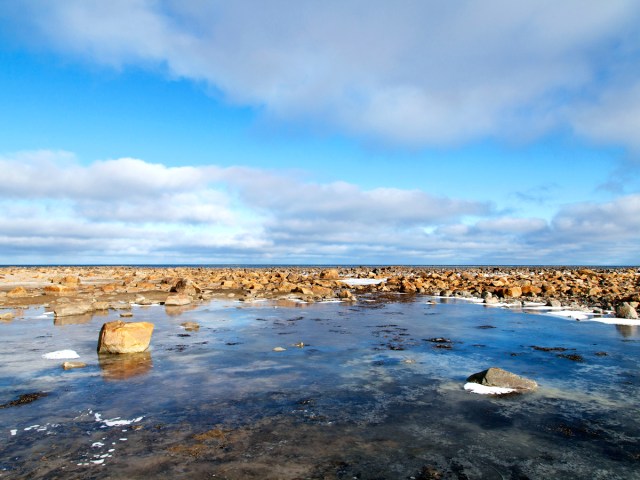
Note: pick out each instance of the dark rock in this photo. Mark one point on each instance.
(497, 377)
(24, 399)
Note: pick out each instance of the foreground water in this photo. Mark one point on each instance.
(369, 395)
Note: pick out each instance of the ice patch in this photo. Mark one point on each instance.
(575, 314)
(60, 355)
(13, 432)
(615, 321)
(97, 445)
(116, 422)
(486, 390)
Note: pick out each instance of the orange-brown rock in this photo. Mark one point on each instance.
(177, 299)
(18, 292)
(121, 337)
(58, 289)
(330, 274)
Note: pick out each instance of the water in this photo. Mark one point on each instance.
(367, 396)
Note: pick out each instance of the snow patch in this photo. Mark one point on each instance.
(61, 355)
(486, 390)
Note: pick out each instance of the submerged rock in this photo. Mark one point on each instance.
(497, 377)
(190, 326)
(70, 365)
(121, 337)
(24, 399)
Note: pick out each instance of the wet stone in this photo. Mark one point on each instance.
(24, 399)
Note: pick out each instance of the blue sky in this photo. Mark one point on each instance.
(296, 132)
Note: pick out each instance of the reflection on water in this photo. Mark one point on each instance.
(364, 394)
(174, 311)
(73, 319)
(628, 331)
(124, 366)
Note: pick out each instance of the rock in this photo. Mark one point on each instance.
(18, 292)
(70, 280)
(177, 299)
(5, 317)
(345, 294)
(190, 326)
(489, 300)
(279, 349)
(626, 311)
(497, 377)
(70, 309)
(186, 286)
(70, 365)
(330, 274)
(101, 305)
(554, 303)
(121, 337)
(58, 289)
(126, 315)
(513, 292)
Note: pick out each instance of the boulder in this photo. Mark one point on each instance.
(186, 286)
(121, 337)
(330, 274)
(5, 317)
(190, 326)
(497, 377)
(177, 299)
(70, 309)
(513, 292)
(18, 292)
(626, 311)
(58, 289)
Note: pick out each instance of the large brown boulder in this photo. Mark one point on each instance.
(497, 377)
(121, 337)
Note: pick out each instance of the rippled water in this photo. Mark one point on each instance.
(367, 396)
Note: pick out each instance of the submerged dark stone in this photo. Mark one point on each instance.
(574, 357)
(24, 399)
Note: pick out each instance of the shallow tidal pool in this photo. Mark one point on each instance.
(369, 390)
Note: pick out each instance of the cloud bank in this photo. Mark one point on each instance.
(57, 210)
(412, 73)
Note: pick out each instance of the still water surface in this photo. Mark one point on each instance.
(368, 396)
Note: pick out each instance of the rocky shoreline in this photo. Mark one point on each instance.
(81, 290)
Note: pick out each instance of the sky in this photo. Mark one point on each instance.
(338, 132)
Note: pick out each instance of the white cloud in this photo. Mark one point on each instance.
(112, 212)
(409, 72)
